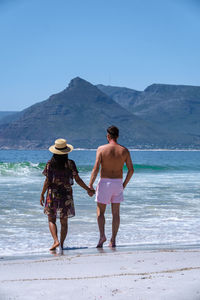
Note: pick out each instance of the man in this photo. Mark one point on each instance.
(111, 157)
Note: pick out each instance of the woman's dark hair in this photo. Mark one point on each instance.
(113, 131)
(58, 161)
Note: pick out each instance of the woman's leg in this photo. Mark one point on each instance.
(64, 229)
(53, 230)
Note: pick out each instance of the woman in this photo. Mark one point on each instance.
(60, 172)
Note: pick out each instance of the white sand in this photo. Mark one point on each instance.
(137, 275)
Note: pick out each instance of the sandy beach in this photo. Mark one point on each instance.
(105, 274)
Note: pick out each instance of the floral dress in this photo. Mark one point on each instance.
(59, 199)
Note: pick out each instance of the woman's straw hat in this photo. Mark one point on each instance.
(61, 147)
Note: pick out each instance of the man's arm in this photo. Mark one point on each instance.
(129, 165)
(95, 169)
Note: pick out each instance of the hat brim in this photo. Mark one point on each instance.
(69, 148)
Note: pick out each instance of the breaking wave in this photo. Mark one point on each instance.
(29, 168)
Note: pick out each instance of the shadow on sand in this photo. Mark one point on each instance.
(75, 248)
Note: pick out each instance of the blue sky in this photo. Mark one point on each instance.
(131, 43)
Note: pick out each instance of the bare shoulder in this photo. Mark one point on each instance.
(100, 151)
(102, 148)
(124, 150)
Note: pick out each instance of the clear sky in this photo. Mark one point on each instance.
(131, 43)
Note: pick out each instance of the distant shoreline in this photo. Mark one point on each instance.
(95, 149)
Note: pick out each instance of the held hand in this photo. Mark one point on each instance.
(42, 200)
(91, 192)
(91, 187)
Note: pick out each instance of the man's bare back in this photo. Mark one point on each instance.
(112, 159)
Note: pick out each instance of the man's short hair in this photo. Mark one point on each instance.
(113, 131)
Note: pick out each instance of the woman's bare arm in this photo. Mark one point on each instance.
(45, 186)
(80, 182)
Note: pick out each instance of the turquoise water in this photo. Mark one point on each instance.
(161, 208)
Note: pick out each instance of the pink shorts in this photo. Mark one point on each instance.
(109, 191)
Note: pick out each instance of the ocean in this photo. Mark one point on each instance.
(161, 207)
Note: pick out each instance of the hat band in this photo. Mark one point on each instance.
(61, 148)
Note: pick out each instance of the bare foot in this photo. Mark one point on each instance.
(112, 244)
(54, 246)
(101, 241)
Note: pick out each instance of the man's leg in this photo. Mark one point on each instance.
(115, 223)
(101, 222)
(63, 231)
(53, 230)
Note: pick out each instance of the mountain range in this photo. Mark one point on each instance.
(5, 115)
(172, 107)
(161, 116)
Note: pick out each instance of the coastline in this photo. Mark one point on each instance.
(139, 275)
(95, 149)
(88, 250)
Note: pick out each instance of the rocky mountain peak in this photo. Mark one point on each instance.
(78, 82)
